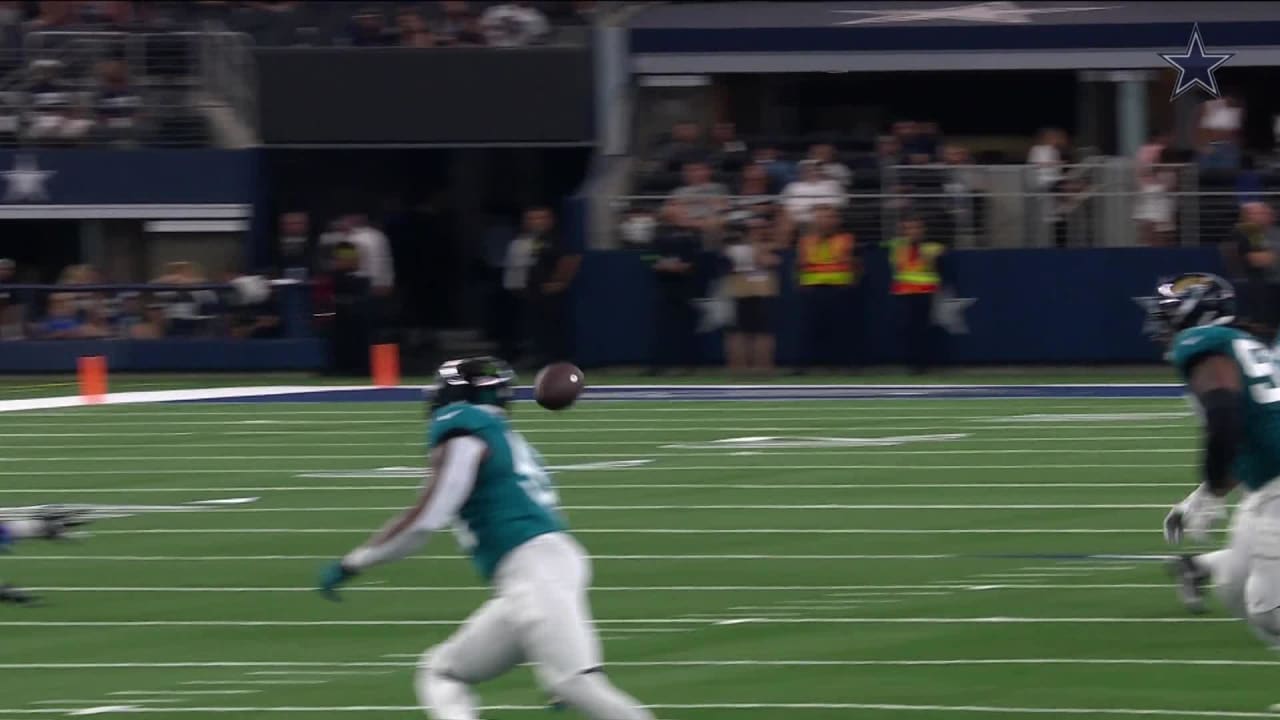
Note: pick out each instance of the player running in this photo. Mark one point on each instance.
(50, 523)
(491, 486)
(1235, 385)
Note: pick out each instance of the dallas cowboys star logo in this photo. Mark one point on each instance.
(26, 181)
(1195, 66)
(948, 312)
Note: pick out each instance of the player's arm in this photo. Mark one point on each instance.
(454, 465)
(1215, 382)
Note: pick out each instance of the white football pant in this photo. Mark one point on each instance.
(1246, 574)
(540, 614)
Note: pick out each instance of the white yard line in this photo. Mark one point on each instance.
(410, 660)
(888, 589)
(712, 453)
(415, 433)
(753, 466)
(421, 558)
(739, 706)
(675, 531)
(229, 510)
(996, 620)
(126, 693)
(176, 489)
(254, 682)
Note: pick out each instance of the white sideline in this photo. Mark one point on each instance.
(159, 396)
(1047, 532)
(996, 620)
(614, 486)
(998, 709)
(410, 660)
(870, 589)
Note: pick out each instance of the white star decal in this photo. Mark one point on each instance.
(26, 181)
(948, 312)
(1006, 13)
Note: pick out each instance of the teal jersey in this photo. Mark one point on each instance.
(512, 501)
(1259, 459)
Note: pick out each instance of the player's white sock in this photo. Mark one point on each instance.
(443, 697)
(1230, 594)
(594, 696)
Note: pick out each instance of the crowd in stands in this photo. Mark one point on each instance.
(288, 23)
(240, 307)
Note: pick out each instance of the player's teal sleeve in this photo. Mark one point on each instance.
(1196, 342)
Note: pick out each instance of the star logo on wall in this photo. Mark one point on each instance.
(1195, 66)
(948, 312)
(26, 181)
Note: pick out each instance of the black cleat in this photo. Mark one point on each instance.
(1191, 580)
(11, 594)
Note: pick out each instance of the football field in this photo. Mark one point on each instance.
(754, 560)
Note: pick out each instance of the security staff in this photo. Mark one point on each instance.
(674, 260)
(826, 270)
(914, 262)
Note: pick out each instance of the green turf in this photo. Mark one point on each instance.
(853, 565)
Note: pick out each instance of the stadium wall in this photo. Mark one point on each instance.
(1030, 306)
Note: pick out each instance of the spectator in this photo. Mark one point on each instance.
(352, 316)
(780, 172)
(685, 146)
(802, 196)
(1219, 140)
(514, 329)
(118, 104)
(1258, 244)
(1154, 208)
(961, 181)
(413, 30)
(753, 201)
(888, 152)
(674, 261)
(551, 270)
(753, 284)
(62, 320)
(255, 314)
(96, 324)
(11, 308)
(826, 271)
(369, 29)
(1047, 158)
(514, 24)
(374, 252)
(295, 246)
(152, 325)
(705, 200)
(188, 311)
(924, 144)
(54, 116)
(916, 281)
(460, 26)
(829, 166)
(728, 152)
(638, 227)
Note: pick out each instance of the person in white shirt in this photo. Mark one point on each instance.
(513, 25)
(812, 189)
(375, 254)
(1046, 156)
(830, 165)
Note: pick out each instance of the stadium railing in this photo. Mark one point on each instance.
(245, 309)
(1096, 204)
(186, 83)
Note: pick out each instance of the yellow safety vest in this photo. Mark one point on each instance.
(915, 266)
(826, 261)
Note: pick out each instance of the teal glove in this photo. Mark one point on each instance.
(333, 577)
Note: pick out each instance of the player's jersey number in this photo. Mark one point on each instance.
(534, 479)
(1258, 364)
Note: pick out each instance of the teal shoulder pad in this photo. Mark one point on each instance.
(1195, 342)
(460, 419)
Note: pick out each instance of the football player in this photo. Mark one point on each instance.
(1234, 384)
(51, 523)
(491, 486)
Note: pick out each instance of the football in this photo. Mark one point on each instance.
(558, 385)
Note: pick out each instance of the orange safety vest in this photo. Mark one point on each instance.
(826, 261)
(915, 266)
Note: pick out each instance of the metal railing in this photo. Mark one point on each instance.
(1097, 204)
(55, 89)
